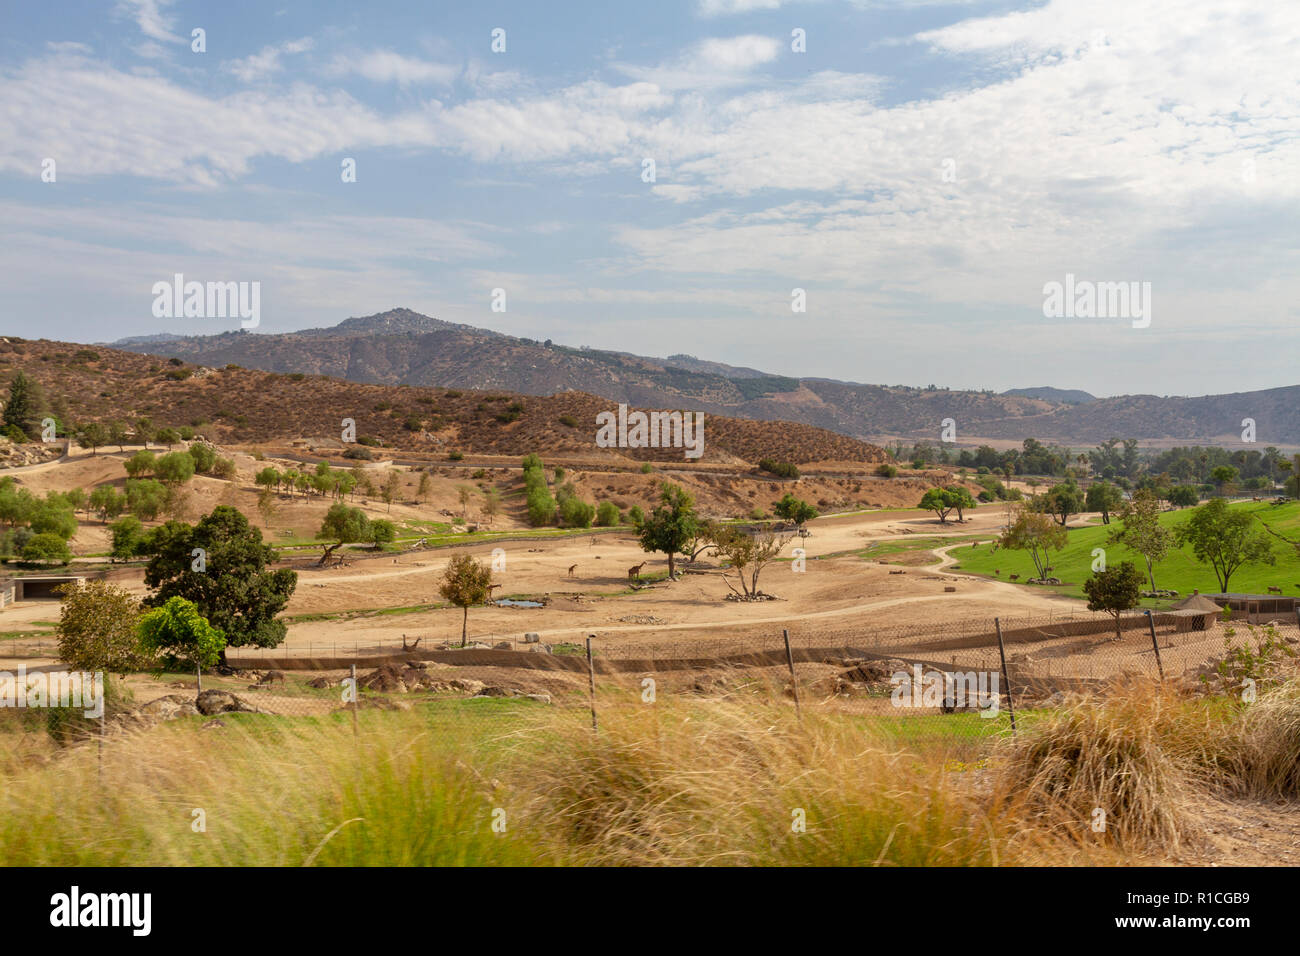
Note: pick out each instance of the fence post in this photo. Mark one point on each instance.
(356, 698)
(198, 678)
(1006, 681)
(591, 683)
(794, 683)
(1151, 620)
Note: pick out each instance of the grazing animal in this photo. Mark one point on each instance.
(572, 568)
(997, 571)
(635, 572)
(270, 677)
(1014, 577)
(1274, 590)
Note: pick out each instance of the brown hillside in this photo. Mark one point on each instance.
(238, 405)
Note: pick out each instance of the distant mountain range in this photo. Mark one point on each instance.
(402, 347)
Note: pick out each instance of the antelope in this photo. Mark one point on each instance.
(1014, 577)
(572, 568)
(997, 571)
(635, 572)
(1274, 590)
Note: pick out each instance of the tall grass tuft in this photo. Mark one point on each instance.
(1106, 753)
(729, 782)
(1263, 748)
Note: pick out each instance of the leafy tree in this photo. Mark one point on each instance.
(92, 436)
(636, 516)
(144, 430)
(422, 492)
(205, 457)
(238, 591)
(53, 515)
(118, 433)
(47, 547)
(175, 468)
(793, 509)
(1104, 497)
(25, 405)
(15, 503)
(381, 532)
(607, 515)
(944, 501)
(266, 505)
(392, 486)
(145, 498)
(1183, 496)
(1036, 533)
(576, 513)
(128, 537)
(747, 554)
(107, 502)
(179, 633)
(465, 582)
(1061, 501)
(167, 436)
(268, 477)
(465, 493)
(671, 526)
(491, 504)
(97, 628)
(1142, 531)
(1115, 590)
(342, 525)
(1223, 477)
(1222, 536)
(140, 464)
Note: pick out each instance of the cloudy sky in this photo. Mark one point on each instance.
(921, 170)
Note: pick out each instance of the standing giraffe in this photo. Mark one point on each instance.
(635, 572)
(572, 568)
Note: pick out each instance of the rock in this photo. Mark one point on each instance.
(213, 724)
(540, 698)
(505, 646)
(466, 685)
(211, 702)
(169, 707)
(540, 648)
(495, 690)
(324, 683)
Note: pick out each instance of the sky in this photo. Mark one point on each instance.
(922, 171)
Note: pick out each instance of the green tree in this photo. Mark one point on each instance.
(1104, 497)
(145, 498)
(1183, 496)
(140, 464)
(671, 526)
(942, 501)
(1036, 533)
(237, 590)
(93, 436)
(422, 490)
(793, 509)
(342, 525)
(25, 406)
(205, 457)
(465, 582)
(392, 487)
(46, 548)
(97, 628)
(747, 555)
(576, 513)
(1223, 477)
(266, 505)
(107, 502)
(1142, 531)
(607, 515)
(175, 468)
(118, 433)
(381, 532)
(53, 515)
(1223, 537)
(491, 504)
(178, 632)
(1061, 501)
(1115, 590)
(128, 537)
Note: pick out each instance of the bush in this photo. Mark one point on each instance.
(647, 468)
(886, 471)
(47, 547)
(205, 456)
(541, 506)
(224, 469)
(782, 469)
(576, 513)
(359, 454)
(608, 515)
(569, 421)
(456, 456)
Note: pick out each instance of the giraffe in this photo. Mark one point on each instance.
(572, 568)
(635, 572)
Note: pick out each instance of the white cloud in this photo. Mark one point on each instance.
(385, 66)
(267, 61)
(150, 18)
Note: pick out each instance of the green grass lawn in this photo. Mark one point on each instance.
(1179, 571)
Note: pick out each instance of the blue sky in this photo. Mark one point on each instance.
(921, 170)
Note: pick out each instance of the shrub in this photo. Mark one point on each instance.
(569, 421)
(47, 547)
(646, 468)
(456, 455)
(358, 453)
(782, 469)
(886, 471)
(608, 515)
(576, 513)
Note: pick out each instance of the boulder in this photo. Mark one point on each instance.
(169, 707)
(211, 702)
(466, 685)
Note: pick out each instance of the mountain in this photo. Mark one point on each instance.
(402, 347)
(1058, 396)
